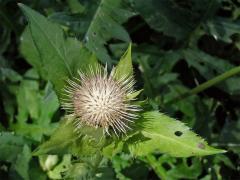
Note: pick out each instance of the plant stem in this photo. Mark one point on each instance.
(206, 85)
(157, 167)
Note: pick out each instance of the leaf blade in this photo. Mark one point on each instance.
(106, 24)
(124, 67)
(167, 135)
(60, 57)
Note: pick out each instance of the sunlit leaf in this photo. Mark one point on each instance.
(166, 135)
(124, 67)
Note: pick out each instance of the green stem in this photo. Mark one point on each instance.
(206, 85)
(157, 167)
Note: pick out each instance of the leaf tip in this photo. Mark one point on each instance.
(222, 151)
(130, 47)
(35, 153)
(21, 5)
(218, 151)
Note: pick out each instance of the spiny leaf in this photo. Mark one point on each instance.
(167, 135)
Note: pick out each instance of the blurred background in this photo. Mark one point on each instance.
(177, 45)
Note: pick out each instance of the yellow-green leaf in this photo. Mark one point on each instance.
(167, 135)
(124, 67)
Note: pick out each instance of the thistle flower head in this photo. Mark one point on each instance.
(100, 100)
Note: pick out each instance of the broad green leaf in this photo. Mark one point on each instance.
(59, 141)
(166, 135)
(60, 57)
(124, 67)
(106, 24)
(29, 50)
(180, 24)
(51, 45)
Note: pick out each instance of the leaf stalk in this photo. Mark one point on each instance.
(206, 85)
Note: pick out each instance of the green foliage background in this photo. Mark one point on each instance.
(176, 45)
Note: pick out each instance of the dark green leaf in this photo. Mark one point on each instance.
(14, 150)
(222, 29)
(106, 24)
(60, 57)
(210, 66)
(186, 18)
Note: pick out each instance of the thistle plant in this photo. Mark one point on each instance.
(98, 100)
(95, 100)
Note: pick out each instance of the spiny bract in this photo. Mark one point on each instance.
(100, 100)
